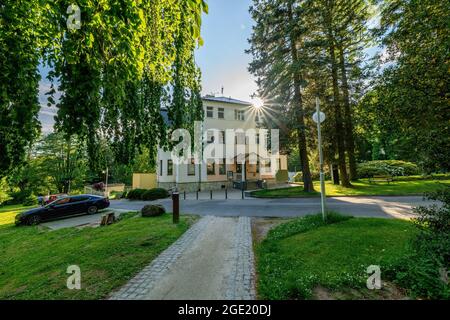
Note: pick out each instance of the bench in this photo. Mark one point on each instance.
(385, 178)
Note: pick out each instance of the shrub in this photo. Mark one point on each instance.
(136, 194)
(147, 195)
(282, 176)
(155, 194)
(153, 210)
(387, 167)
(425, 271)
(31, 200)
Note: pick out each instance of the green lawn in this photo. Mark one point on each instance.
(34, 261)
(300, 255)
(360, 188)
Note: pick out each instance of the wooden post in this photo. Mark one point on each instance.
(176, 207)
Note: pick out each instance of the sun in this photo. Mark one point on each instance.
(258, 103)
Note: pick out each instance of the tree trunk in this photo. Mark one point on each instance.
(302, 147)
(338, 114)
(348, 122)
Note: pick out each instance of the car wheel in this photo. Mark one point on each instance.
(92, 209)
(34, 220)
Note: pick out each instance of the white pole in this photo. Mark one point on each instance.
(106, 187)
(322, 182)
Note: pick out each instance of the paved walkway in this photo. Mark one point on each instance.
(212, 260)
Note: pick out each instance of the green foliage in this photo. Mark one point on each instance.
(304, 224)
(425, 270)
(135, 194)
(155, 194)
(406, 114)
(387, 167)
(37, 259)
(282, 176)
(30, 200)
(147, 194)
(20, 44)
(300, 255)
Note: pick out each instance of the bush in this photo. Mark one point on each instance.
(148, 195)
(425, 271)
(387, 167)
(155, 194)
(31, 200)
(153, 210)
(19, 197)
(282, 176)
(135, 194)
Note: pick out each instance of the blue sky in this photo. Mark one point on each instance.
(222, 59)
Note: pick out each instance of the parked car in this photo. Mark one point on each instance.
(63, 207)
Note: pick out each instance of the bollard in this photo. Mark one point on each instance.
(226, 193)
(184, 195)
(176, 207)
(197, 195)
(242, 194)
(210, 194)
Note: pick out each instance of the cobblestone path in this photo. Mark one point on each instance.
(212, 260)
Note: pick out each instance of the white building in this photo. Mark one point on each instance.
(222, 114)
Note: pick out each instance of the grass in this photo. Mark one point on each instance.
(34, 261)
(304, 254)
(360, 188)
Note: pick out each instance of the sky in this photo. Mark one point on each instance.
(222, 58)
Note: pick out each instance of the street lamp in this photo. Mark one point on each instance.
(318, 118)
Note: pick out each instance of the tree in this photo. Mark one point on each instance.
(410, 100)
(20, 43)
(278, 64)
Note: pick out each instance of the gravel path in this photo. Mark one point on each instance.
(212, 260)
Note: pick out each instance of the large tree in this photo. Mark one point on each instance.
(279, 66)
(20, 43)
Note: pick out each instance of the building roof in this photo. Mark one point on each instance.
(226, 100)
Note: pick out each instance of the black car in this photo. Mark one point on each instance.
(63, 207)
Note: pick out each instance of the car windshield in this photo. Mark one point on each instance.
(59, 201)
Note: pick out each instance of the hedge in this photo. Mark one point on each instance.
(387, 167)
(147, 194)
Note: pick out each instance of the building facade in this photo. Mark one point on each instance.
(247, 168)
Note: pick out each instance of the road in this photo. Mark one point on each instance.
(385, 207)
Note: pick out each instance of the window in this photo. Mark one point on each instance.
(160, 167)
(257, 138)
(62, 201)
(209, 112)
(257, 166)
(169, 167)
(191, 168)
(78, 199)
(221, 113)
(239, 168)
(222, 137)
(211, 168)
(222, 167)
(239, 115)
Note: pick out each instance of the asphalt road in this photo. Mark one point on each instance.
(387, 207)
